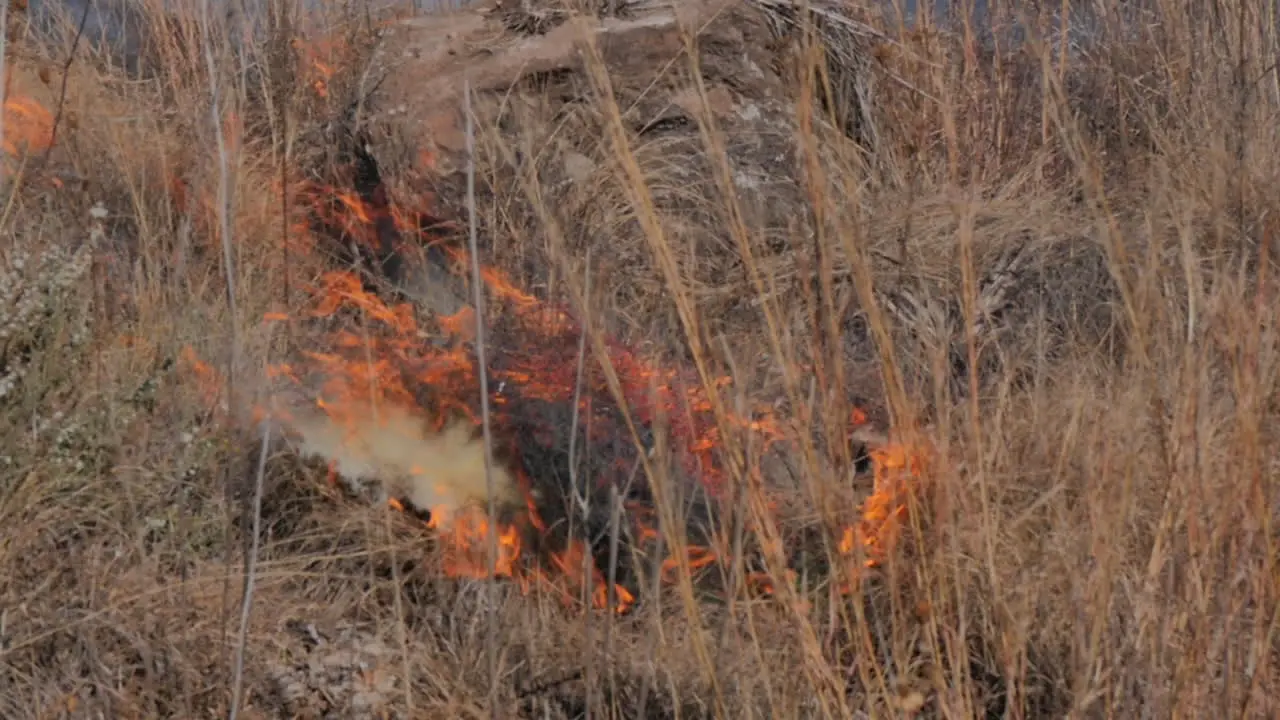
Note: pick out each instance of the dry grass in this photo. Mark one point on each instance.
(1093, 536)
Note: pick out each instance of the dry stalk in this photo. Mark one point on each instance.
(224, 227)
(250, 574)
(581, 496)
(4, 52)
(62, 90)
(224, 193)
(491, 540)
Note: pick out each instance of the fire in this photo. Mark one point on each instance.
(27, 126)
(896, 466)
(380, 356)
(208, 380)
(318, 57)
(464, 538)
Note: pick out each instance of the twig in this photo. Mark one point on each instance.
(582, 497)
(611, 599)
(580, 493)
(62, 91)
(284, 28)
(224, 226)
(4, 84)
(548, 685)
(491, 635)
(251, 567)
(285, 212)
(224, 194)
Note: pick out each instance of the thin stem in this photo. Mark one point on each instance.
(491, 636)
(250, 575)
(582, 497)
(4, 52)
(62, 90)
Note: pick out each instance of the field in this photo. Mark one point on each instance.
(833, 366)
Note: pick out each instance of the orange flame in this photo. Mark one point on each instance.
(208, 380)
(318, 58)
(27, 125)
(389, 358)
(464, 537)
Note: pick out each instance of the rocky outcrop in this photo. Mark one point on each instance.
(540, 123)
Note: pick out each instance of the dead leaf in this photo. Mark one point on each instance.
(912, 702)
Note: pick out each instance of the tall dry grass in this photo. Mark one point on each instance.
(1092, 537)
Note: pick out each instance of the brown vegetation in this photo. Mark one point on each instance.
(1040, 276)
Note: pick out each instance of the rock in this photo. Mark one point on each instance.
(536, 91)
(351, 677)
(578, 167)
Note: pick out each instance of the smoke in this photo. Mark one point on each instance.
(440, 471)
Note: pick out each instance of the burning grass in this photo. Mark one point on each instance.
(1062, 362)
(395, 403)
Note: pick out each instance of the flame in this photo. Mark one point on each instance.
(208, 380)
(318, 57)
(896, 467)
(27, 126)
(464, 538)
(380, 356)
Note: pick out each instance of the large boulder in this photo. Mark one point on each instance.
(545, 166)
